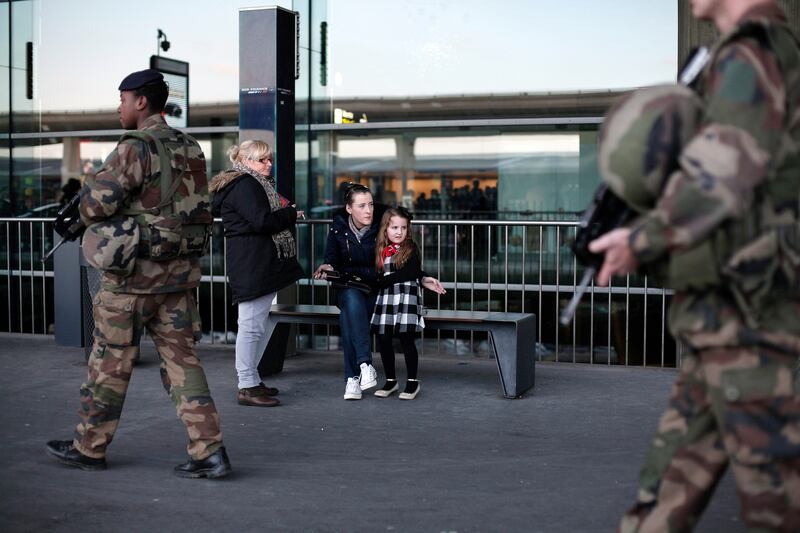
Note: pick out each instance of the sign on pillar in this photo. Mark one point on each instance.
(268, 67)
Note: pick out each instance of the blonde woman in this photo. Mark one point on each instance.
(261, 256)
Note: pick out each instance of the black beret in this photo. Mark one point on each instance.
(138, 79)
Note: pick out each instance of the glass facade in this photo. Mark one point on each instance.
(458, 110)
(519, 172)
(451, 107)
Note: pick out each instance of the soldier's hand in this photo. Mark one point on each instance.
(619, 259)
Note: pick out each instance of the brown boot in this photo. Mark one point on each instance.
(257, 396)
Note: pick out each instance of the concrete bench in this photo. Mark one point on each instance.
(513, 337)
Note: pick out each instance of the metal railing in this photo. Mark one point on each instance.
(26, 282)
(485, 265)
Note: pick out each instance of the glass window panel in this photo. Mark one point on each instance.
(367, 149)
(23, 23)
(4, 64)
(36, 181)
(5, 180)
(42, 167)
(416, 49)
(5, 151)
(467, 47)
(524, 173)
(95, 61)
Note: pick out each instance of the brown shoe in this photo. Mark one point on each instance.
(269, 391)
(257, 397)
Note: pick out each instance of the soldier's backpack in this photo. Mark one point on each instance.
(762, 252)
(180, 224)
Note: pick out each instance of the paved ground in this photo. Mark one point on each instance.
(459, 458)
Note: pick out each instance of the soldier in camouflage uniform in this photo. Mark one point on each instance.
(726, 229)
(148, 280)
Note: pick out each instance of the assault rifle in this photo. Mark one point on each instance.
(68, 224)
(606, 212)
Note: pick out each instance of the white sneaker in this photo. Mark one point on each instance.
(369, 377)
(352, 391)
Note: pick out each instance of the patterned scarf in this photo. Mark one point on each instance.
(284, 240)
(358, 233)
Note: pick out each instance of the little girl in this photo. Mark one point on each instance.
(398, 307)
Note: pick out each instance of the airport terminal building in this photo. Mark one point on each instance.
(481, 118)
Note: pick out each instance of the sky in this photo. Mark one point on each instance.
(376, 47)
(471, 46)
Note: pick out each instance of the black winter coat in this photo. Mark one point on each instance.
(345, 253)
(254, 268)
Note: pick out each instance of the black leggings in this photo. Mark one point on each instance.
(409, 349)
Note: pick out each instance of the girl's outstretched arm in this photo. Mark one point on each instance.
(433, 284)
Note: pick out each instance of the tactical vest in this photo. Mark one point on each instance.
(179, 224)
(757, 257)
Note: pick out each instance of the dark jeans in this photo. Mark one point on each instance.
(356, 312)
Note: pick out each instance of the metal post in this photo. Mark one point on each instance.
(267, 71)
(68, 312)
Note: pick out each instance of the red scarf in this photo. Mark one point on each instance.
(389, 251)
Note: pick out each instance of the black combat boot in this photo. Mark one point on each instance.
(214, 466)
(65, 452)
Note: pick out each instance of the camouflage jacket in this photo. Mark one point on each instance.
(727, 220)
(121, 182)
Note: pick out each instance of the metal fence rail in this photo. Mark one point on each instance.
(26, 282)
(485, 265)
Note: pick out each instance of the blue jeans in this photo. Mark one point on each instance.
(356, 312)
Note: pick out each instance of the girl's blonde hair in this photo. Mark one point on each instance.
(252, 150)
(407, 248)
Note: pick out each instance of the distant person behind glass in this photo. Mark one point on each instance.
(261, 256)
(69, 190)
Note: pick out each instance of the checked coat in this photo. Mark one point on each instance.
(398, 308)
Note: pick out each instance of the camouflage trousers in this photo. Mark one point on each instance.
(173, 322)
(734, 406)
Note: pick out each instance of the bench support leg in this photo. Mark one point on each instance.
(275, 352)
(513, 347)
